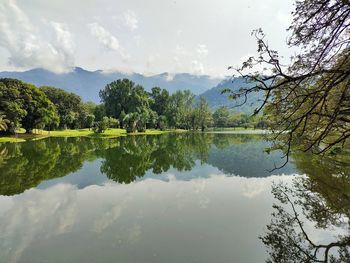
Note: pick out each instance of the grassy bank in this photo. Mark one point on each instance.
(109, 133)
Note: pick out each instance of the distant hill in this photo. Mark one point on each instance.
(215, 99)
(87, 84)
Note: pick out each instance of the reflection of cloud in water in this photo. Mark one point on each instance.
(134, 212)
(134, 234)
(108, 218)
(254, 186)
(36, 215)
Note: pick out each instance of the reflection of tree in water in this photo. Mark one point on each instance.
(25, 165)
(322, 199)
(222, 141)
(138, 154)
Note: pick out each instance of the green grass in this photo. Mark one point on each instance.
(109, 133)
(11, 139)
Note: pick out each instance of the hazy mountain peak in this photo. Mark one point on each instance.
(87, 83)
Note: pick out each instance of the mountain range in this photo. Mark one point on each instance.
(216, 98)
(87, 84)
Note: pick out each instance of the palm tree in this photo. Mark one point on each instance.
(3, 122)
(130, 121)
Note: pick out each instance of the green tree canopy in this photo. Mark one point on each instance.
(26, 105)
(203, 114)
(159, 100)
(124, 95)
(221, 117)
(180, 109)
(69, 105)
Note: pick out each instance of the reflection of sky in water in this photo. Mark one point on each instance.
(215, 219)
(211, 208)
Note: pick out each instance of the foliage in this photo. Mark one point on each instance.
(3, 122)
(124, 95)
(25, 105)
(113, 123)
(159, 100)
(180, 109)
(99, 112)
(203, 114)
(221, 117)
(131, 120)
(71, 110)
(137, 110)
(101, 126)
(308, 99)
(89, 120)
(125, 104)
(67, 105)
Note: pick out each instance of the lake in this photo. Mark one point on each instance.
(190, 197)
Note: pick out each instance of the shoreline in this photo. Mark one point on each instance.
(108, 134)
(114, 133)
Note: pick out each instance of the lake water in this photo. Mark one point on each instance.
(167, 198)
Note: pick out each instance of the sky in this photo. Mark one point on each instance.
(201, 37)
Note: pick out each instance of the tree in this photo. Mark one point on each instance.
(124, 95)
(204, 116)
(101, 126)
(238, 119)
(221, 117)
(159, 100)
(113, 123)
(69, 107)
(180, 108)
(99, 112)
(10, 102)
(308, 100)
(89, 106)
(3, 122)
(26, 105)
(85, 115)
(90, 120)
(130, 121)
(121, 119)
(162, 122)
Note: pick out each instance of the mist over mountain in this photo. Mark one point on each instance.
(87, 84)
(216, 99)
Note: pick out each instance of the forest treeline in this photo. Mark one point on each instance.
(124, 104)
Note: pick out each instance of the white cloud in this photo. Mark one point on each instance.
(29, 48)
(202, 51)
(104, 37)
(108, 40)
(130, 20)
(63, 42)
(214, 38)
(180, 50)
(197, 67)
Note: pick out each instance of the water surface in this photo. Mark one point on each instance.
(168, 198)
